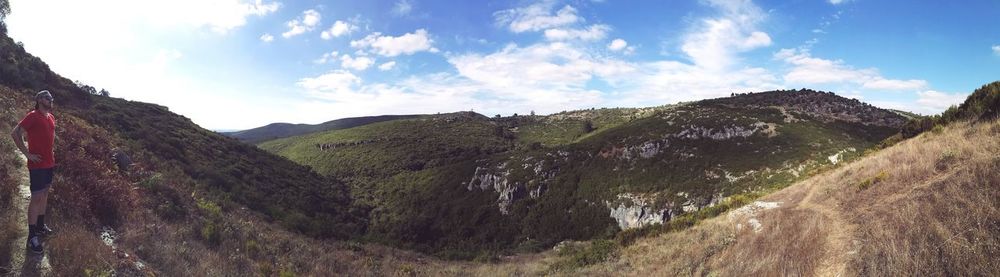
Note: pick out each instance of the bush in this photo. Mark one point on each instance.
(881, 177)
(152, 181)
(937, 129)
(947, 159)
(578, 255)
(210, 233)
(210, 209)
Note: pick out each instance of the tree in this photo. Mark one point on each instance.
(86, 88)
(105, 93)
(4, 9)
(588, 127)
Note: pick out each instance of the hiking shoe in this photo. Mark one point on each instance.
(45, 231)
(35, 244)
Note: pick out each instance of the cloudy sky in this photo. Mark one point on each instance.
(237, 64)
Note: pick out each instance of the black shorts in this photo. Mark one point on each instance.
(40, 178)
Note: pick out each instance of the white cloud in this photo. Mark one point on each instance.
(359, 63)
(617, 44)
(714, 42)
(809, 70)
(756, 39)
(387, 66)
(230, 14)
(664, 82)
(555, 66)
(837, 2)
(266, 38)
(221, 16)
(401, 8)
(996, 50)
(305, 23)
(880, 83)
(594, 32)
(340, 96)
(806, 69)
(536, 17)
(554, 76)
(333, 85)
(327, 57)
(546, 78)
(620, 45)
(338, 29)
(934, 101)
(390, 46)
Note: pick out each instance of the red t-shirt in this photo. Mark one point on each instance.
(41, 131)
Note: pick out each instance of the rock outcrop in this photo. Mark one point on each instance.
(634, 211)
(485, 179)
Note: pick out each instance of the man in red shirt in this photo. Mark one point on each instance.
(39, 125)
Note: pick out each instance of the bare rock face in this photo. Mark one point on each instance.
(634, 211)
(724, 133)
(652, 148)
(485, 179)
(535, 173)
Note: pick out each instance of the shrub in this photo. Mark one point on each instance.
(210, 233)
(486, 256)
(947, 159)
(210, 209)
(252, 247)
(152, 181)
(882, 175)
(408, 269)
(576, 255)
(937, 129)
(265, 269)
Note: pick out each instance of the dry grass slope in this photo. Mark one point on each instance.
(932, 207)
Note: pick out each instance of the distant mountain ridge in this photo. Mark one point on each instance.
(283, 130)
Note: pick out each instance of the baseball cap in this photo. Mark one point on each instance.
(43, 94)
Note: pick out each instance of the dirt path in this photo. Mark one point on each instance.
(840, 240)
(24, 262)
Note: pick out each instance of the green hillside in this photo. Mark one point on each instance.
(283, 130)
(460, 185)
(190, 157)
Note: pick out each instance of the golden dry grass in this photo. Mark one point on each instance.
(75, 252)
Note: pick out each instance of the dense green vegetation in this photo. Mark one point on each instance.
(231, 170)
(982, 104)
(460, 185)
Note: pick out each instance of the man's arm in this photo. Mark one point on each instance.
(18, 135)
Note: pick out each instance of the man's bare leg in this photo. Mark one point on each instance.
(37, 205)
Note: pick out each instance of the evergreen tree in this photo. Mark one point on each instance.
(4, 9)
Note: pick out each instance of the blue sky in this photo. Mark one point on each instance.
(237, 64)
